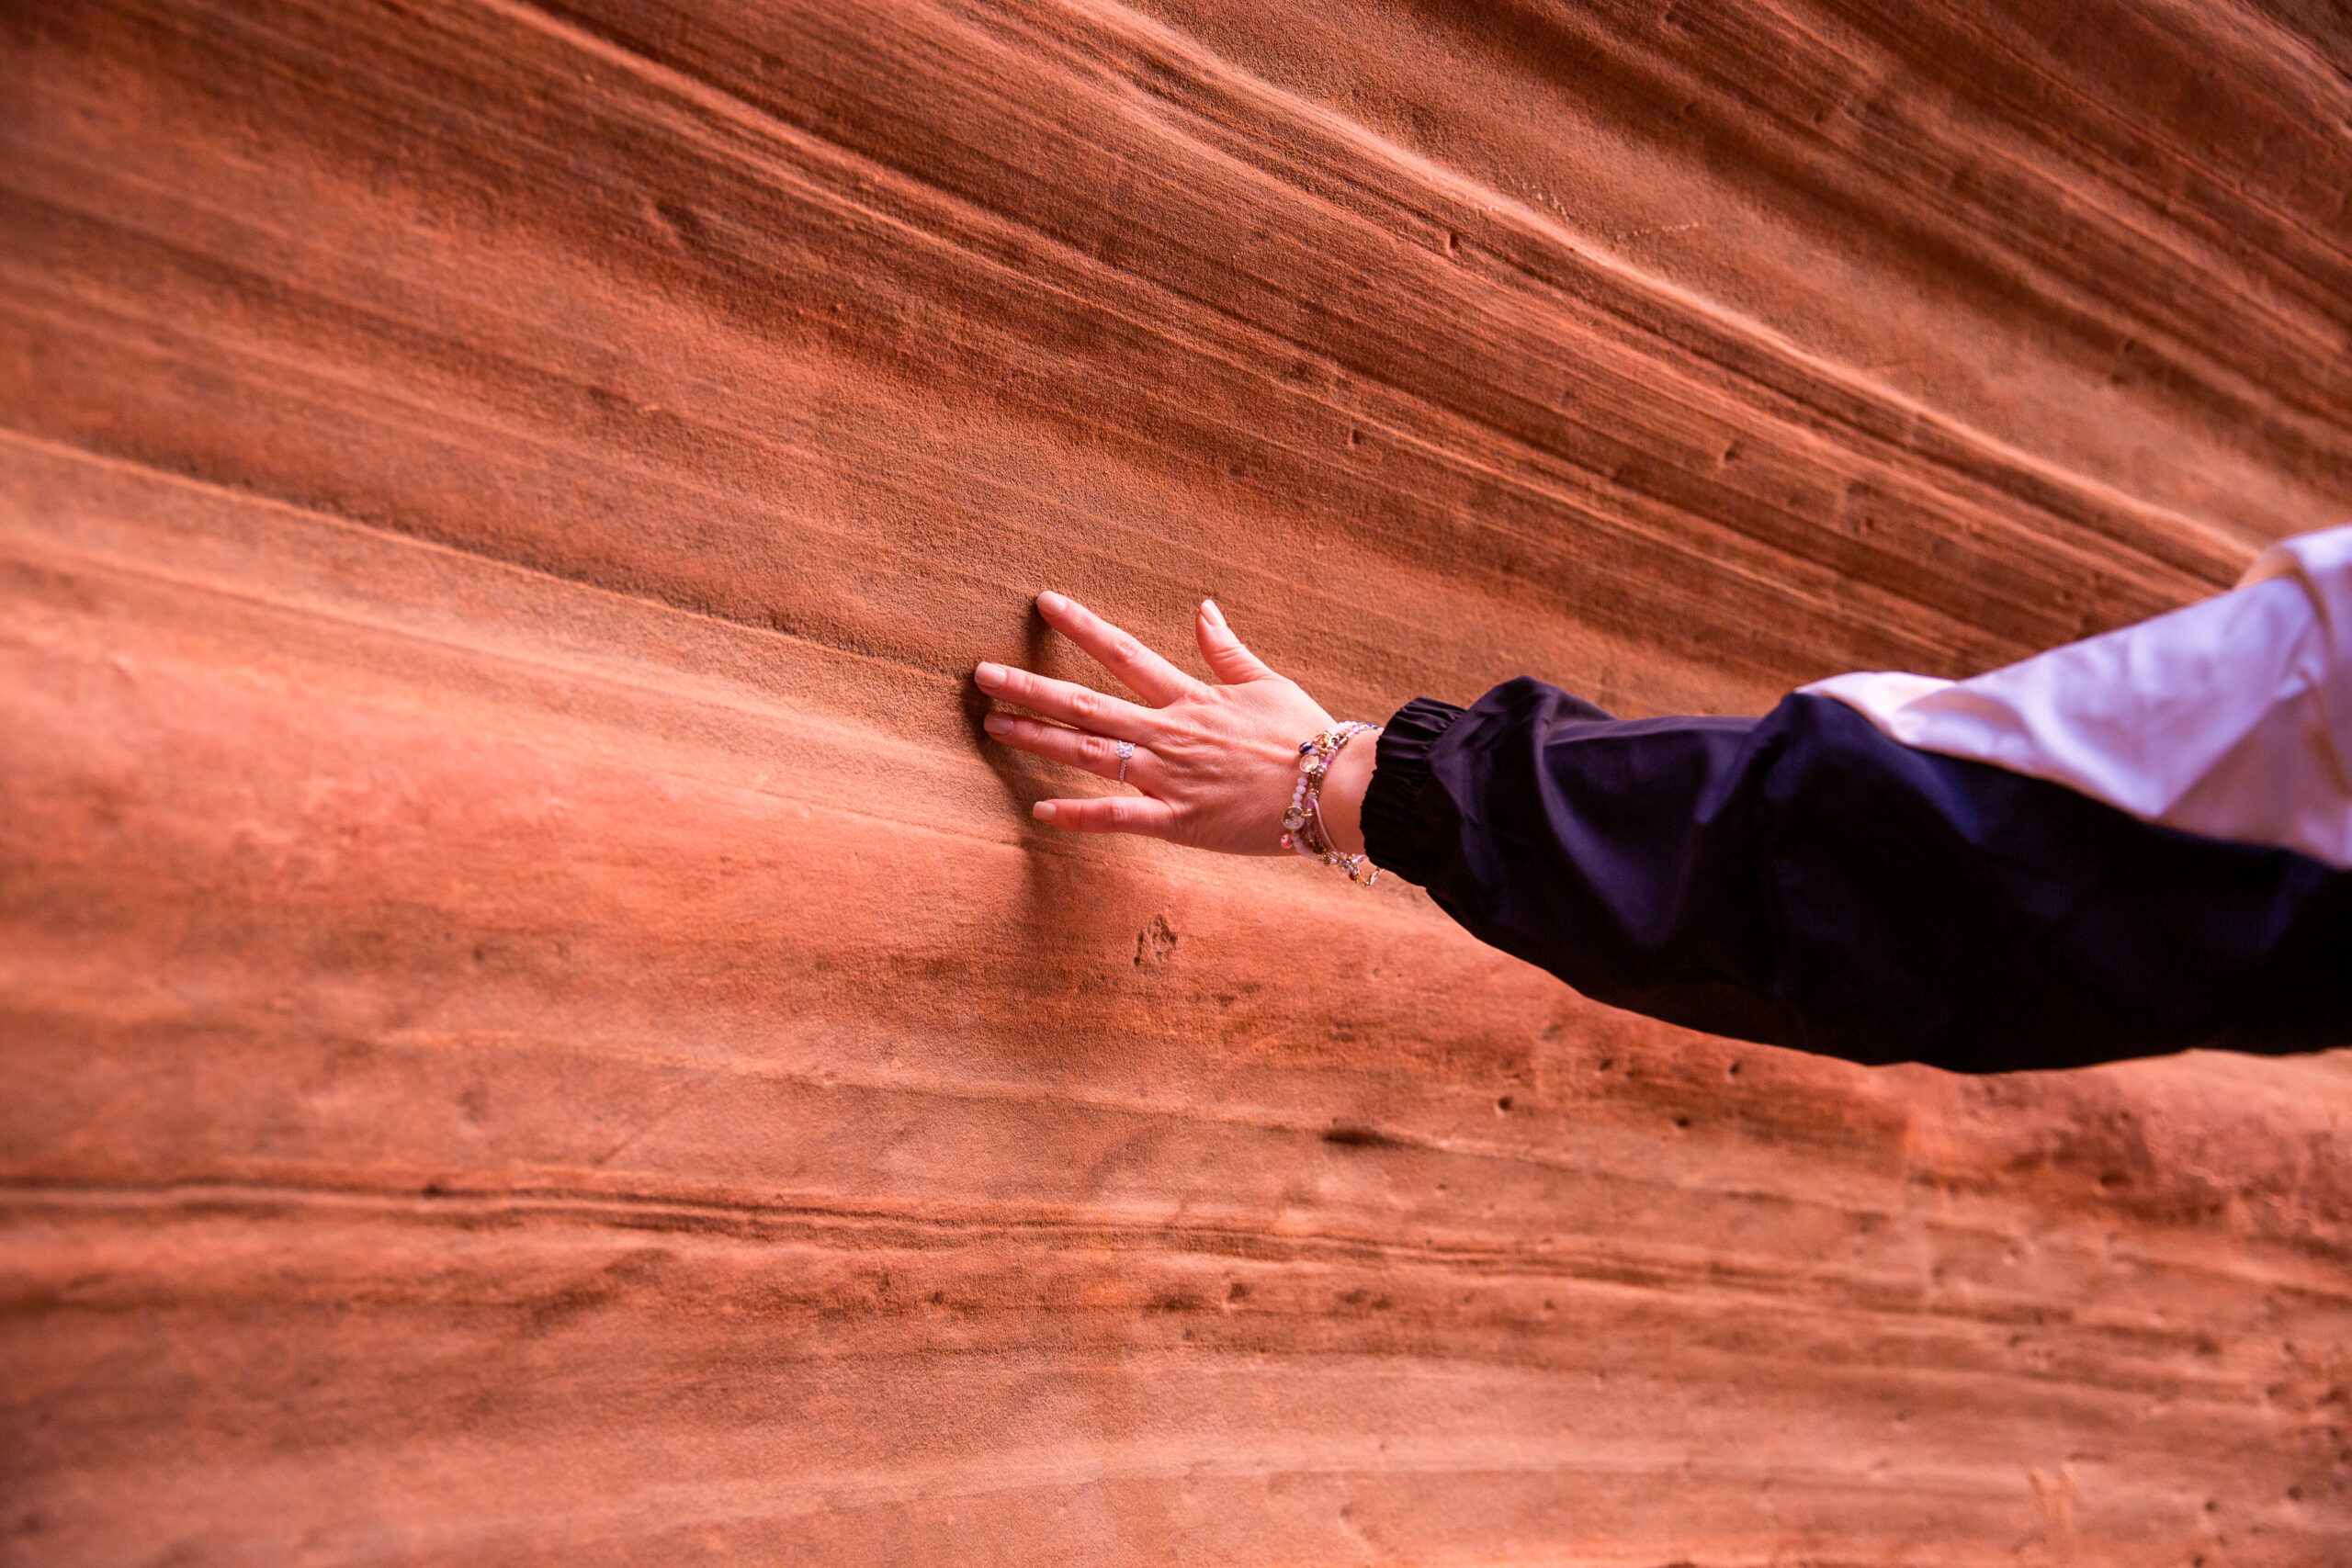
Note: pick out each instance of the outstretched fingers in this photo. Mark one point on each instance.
(1067, 701)
(1110, 814)
(1097, 754)
(1140, 669)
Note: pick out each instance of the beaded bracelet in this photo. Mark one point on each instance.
(1303, 824)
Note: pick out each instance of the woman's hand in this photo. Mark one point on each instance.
(1215, 763)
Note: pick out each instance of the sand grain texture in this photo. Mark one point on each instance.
(536, 1032)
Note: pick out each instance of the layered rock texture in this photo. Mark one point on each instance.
(537, 1030)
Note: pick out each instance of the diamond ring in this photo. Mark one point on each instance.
(1124, 750)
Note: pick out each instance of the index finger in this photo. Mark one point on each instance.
(1143, 672)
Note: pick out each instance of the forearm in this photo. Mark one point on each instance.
(1803, 880)
(2134, 844)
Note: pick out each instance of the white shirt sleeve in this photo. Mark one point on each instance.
(2230, 719)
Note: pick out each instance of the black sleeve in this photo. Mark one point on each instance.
(1804, 880)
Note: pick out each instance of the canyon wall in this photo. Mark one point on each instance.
(537, 1030)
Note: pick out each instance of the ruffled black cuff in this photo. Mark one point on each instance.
(1392, 823)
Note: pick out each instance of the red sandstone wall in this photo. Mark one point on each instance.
(535, 1033)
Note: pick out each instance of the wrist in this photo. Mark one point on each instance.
(1343, 785)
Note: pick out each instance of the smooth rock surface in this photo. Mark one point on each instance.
(537, 1031)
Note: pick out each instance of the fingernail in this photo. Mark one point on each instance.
(1043, 811)
(1052, 603)
(998, 723)
(990, 674)
(1215, 615)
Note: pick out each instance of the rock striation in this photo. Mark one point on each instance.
(537, 1031)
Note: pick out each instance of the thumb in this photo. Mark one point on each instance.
(1229, 660)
